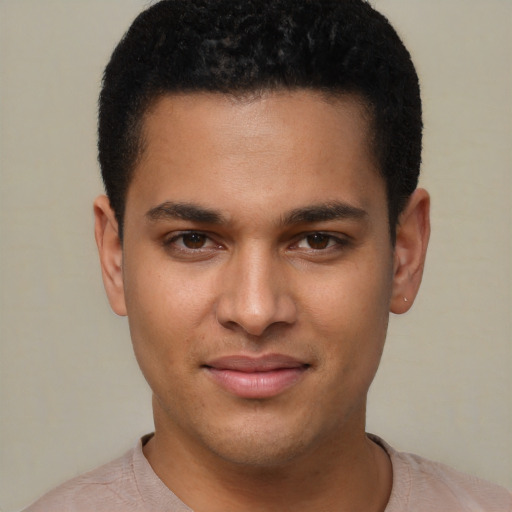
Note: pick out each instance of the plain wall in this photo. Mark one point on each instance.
(71, 394)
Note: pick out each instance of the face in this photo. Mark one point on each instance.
(257, 272)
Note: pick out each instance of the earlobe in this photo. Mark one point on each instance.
(412, 235)
(110, 251)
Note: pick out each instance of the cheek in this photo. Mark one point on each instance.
(352, 298)
(164, 296)
(166, 309)
(349, 314)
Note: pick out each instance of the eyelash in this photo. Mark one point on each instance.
(333, 242)
(171, 242)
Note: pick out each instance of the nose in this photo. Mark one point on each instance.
(255, 293)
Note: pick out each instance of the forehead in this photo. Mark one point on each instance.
(298, 111)
(219, 149)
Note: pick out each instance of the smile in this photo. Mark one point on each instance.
(256, 378)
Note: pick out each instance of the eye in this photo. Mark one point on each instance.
(190, 241)
(318, 241)
(194, 240)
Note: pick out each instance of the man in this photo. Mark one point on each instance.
(261, 221)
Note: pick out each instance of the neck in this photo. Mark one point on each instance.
(352, 473)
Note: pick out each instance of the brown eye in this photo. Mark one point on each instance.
(194, 240)
(318, 241)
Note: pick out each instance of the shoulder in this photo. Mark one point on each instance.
(110, 488)
(438, 483)
(422, 485)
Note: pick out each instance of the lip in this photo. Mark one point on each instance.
(256, 377)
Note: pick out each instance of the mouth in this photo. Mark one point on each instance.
(257, 378)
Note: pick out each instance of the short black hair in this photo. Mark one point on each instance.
(244, 46)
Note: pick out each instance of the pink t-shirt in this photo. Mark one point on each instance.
(129, 484)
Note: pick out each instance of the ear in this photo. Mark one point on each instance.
(412, 234)
(110, 250)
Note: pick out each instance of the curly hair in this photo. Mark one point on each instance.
(246, 46)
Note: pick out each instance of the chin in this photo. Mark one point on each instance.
(259, 446)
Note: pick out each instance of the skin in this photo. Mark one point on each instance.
(264, 277)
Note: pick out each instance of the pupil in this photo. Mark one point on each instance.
(193, 240)
(318, 241)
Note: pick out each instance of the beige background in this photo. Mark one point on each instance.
(71, 394)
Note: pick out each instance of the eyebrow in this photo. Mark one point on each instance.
(184, 211)
(334, 210)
